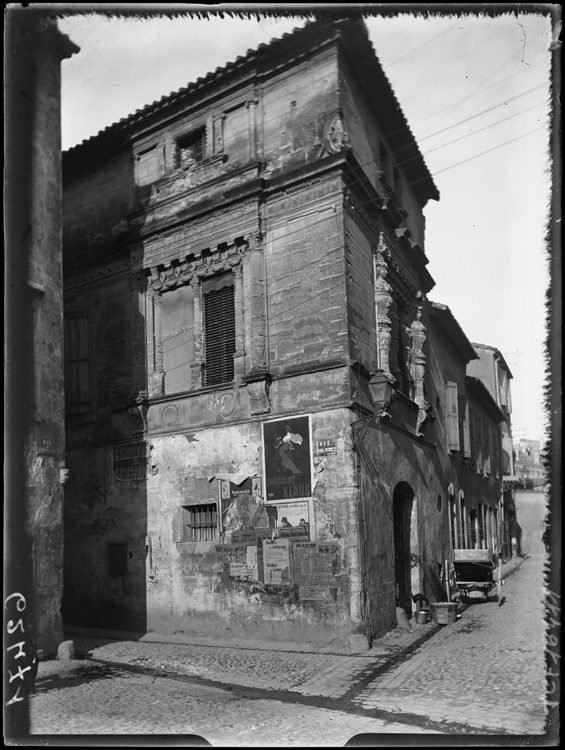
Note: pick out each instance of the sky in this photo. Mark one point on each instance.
(475, 92)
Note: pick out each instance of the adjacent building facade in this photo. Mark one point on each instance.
(272, 432)
(491, 368)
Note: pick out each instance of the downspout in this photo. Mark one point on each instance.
(358, 641)
(359, 638)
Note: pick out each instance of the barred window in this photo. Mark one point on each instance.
(196, 523)
(219, 328)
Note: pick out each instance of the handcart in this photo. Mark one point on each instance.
(476, 574)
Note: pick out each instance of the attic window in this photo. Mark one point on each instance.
(190, 149)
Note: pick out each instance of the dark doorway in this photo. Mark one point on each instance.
(402, 501)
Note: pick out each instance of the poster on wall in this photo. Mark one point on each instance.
(276, 562)
(287, 459)
(293, 520)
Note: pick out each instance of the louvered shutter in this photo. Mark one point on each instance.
(452, 417)
(486, 446)
(479, 438)
(77, 386)
(219, 329)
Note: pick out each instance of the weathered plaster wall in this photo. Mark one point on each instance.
(186, 587)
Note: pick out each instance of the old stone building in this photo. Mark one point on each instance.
(35, 416)
(270, 428)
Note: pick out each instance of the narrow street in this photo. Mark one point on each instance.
(482, 675)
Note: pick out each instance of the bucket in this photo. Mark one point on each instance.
(422, 617)
(444, 613)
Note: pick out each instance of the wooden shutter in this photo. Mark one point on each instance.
(473, 437)
(77, 385)
(178, 524)
(219, 329)
(452, 417)
(479, 439)
(486, 446)
(464, 436)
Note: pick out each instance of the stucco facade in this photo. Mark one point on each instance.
(240, 258)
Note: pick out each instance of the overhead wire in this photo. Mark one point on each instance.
(341, 281)
(480, 130)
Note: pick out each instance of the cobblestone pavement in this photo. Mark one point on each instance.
(324, 675)
(487, 670)
(484, 674)
(112, 700)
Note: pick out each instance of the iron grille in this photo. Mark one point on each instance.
(219, 335)
(203, 523)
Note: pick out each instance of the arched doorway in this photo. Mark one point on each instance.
(406, 568)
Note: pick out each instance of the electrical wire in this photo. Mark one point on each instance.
(480, 130)
(483, 112)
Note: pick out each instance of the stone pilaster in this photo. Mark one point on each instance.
(138, 343)
(197, 367)
(239, 354)
(258, 326)
(158, 376)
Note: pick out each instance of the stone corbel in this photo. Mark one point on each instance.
(258, 390)
(137, 410)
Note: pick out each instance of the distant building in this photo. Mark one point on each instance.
(272, 432)
(528, 464)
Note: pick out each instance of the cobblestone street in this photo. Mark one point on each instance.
(483, 674)
(487, 670)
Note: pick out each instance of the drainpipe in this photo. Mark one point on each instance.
(357, 640)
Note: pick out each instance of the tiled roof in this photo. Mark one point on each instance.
(191, 88)
(363, 57)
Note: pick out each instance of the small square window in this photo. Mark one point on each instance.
(190, 149)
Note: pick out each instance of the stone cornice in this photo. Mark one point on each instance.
(189, 222)
(101, 273)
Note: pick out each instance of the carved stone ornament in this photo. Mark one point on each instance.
(383, 303)
(225, 405)
(418, 336)
(258, 391)
(336, 139)
(157, 383)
